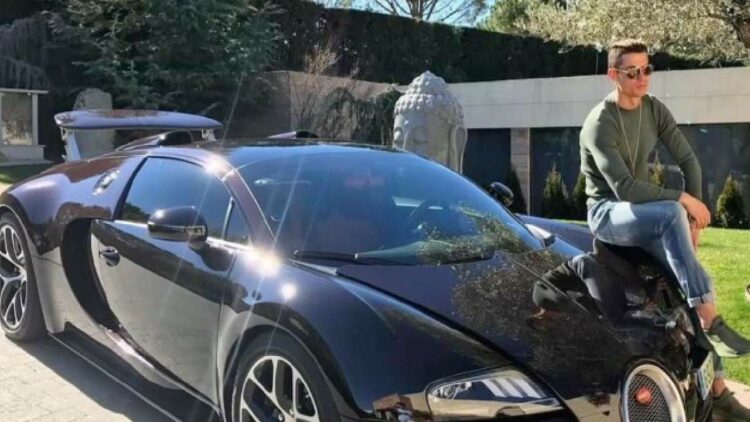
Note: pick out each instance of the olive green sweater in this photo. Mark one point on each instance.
(606, 162)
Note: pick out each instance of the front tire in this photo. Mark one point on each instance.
(277, 380)
(20, 310)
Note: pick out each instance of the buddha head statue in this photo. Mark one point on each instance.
(429, 121)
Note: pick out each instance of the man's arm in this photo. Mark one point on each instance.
(679, 148)
(681, 152)
(600, 137)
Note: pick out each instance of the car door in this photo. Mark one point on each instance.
(166, 294)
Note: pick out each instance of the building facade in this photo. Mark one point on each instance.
(533, 124)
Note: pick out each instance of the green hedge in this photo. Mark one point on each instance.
(394, 49)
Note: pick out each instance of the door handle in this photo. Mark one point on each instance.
(111, 256)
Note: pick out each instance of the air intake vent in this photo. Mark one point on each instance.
(650, 395)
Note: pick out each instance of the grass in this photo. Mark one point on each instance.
(725, 254)
(11, 175)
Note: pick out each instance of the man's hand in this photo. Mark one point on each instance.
(696, 209)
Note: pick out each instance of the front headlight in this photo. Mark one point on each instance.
(502, 392)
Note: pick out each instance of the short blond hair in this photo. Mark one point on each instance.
(622, 47)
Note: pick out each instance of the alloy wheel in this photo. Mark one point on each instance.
(13, 280)
(274, 390)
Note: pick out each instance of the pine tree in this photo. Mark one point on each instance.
(578, 201)
(512, 182)
(730, 208)
(555, 197)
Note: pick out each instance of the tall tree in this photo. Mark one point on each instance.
(447, 11)
(508, 16)
(186, 54)
(705, 29)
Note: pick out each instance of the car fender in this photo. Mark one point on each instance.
(47, 203)
(369, 345)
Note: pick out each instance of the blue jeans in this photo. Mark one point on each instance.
(662, 229)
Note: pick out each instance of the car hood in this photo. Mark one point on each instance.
(573, 350)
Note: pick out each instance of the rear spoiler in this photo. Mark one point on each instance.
(84, 120)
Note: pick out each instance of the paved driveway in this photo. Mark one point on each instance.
(43, 381)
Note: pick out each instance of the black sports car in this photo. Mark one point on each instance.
(299, 280)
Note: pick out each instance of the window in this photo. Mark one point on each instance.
(553, 147)
(380, 204)
(487, 156)
(237, 230)
(164, 183)
(16, 123)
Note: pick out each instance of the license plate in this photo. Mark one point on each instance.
(705, 376)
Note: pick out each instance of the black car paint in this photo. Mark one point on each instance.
(155, 282)
(374, 331)
(371, 341)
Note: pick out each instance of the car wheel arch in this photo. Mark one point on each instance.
(326, 365)
(38, 325)
(21, 217)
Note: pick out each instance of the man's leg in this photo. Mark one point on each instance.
(662, 228)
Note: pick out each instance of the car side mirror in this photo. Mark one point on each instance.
(178, 224)
(502, 192)
(546, 237)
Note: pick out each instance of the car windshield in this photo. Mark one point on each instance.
(381, 206)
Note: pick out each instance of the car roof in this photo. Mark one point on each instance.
(242, 152)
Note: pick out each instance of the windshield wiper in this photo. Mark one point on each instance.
(354, 258)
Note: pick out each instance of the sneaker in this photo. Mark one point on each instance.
(727, 342)
(727, 409)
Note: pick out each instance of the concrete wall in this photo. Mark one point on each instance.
(694, 96)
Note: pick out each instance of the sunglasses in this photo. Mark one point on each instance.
(634, 72)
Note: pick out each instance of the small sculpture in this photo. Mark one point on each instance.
(429, 121)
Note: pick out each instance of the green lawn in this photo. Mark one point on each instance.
(10, 175)
(726, 256)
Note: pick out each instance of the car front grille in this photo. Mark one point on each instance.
(657, 411)
(665, 403)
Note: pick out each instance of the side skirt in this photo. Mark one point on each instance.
(175, 403)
